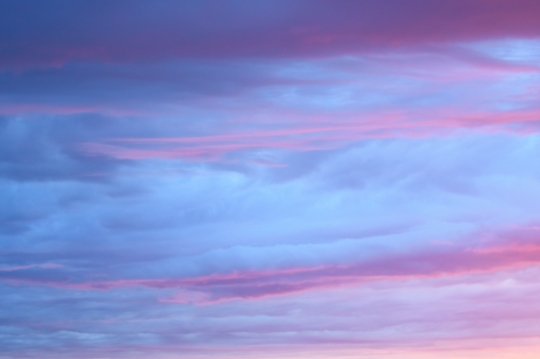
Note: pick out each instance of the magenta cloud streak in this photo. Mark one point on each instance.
(269, 29)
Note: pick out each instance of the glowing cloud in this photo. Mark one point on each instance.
(270, 179)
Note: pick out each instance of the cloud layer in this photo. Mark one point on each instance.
(269, 180)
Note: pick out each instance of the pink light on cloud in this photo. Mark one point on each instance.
(256, 284)
(270, 179)
(272, 29)
(333, 134)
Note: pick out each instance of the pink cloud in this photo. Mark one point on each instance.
(344, 130)
(281, 29)
(257, 284)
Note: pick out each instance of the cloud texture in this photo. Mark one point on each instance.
(270, 179)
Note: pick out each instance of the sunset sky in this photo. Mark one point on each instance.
(264, 179)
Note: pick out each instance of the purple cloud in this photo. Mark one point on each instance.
(127, 31)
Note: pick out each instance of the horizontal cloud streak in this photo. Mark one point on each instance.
(242, 28)
(257, 284)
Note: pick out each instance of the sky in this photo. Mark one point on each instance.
(327, 179)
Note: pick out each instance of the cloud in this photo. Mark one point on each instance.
(261, 283)
(29, 266)
(267, 177)
(141, 32)
(37, 148)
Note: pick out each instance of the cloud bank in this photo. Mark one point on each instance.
(272, 179)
